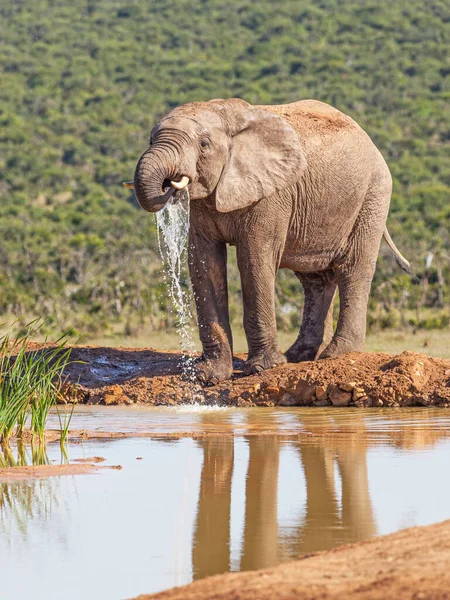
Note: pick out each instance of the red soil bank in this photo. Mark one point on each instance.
(146, 376)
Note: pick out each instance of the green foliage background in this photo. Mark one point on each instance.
(82, 83)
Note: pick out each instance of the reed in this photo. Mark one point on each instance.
(64, 422)
(30, 382)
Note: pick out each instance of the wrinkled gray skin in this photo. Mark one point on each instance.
(298, 186)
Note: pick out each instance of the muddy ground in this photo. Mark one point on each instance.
(412, 564)
(145, 376)
(82, 466)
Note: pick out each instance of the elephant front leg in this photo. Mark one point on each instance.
(208, 270)
(258, 270)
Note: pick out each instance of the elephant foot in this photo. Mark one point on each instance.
(340, 346)
(300, 352)
(213, 371)
(267, 360)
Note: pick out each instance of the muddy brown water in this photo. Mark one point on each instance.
(263, 486)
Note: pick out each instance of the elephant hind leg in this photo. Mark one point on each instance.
(316, 330)
(355, 271)
(350, 333)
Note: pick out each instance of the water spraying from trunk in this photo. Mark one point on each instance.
(173, 228)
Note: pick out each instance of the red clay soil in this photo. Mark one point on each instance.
(146, 376)
(413, 564)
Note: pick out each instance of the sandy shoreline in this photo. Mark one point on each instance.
(412, 564)
(43, 471)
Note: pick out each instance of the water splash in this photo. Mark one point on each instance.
(173, 228)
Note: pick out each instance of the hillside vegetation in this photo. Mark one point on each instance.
(83, 81)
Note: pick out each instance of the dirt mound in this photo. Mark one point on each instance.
(411, 564)
(146, 376)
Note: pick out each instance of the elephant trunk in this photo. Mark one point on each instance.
(152, 181)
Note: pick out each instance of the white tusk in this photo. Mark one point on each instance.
(129, 184)
(180, 185)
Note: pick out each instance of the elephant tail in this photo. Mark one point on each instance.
(399, 258)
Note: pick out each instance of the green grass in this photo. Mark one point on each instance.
(84, 81)
(434, 342)
(30, 381)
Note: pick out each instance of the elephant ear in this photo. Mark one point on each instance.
(265, 157)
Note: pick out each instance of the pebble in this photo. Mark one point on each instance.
(358, 393)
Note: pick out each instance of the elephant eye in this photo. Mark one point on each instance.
(204, 143)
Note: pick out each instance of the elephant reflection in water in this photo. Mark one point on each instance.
(324, 524)
(260, 547)
(211, 549)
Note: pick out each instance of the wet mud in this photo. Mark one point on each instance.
(44, 471)
(144, 376)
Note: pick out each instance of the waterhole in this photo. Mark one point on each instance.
(245, 489)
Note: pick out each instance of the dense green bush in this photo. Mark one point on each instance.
(82, 82)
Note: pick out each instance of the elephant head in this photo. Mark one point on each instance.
(224, 149)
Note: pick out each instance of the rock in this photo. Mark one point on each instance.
(376, 402)
(305, 391)
(287, 400)
(362, 401)
(346, 387)
(357, 393)
(338, 397)
(321, 393)
(322, 402)
(255, 389)
(113, 395)
(423, 401)
(264, 400)
(291, 384)
(390, 401)
(272, 390)
(110, 399)
(418, 378)
(242, 402)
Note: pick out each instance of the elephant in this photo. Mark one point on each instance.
(298, 186)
